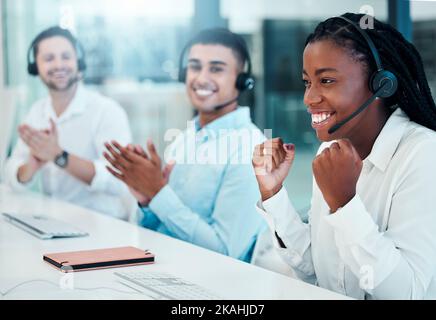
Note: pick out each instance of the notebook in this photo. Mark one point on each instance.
(98, 259)
(44, 227)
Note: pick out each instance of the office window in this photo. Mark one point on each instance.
(132, 50)
(424, 36)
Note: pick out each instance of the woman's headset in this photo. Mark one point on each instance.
(381, 77)
(382, 83)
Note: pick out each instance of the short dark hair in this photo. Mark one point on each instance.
(224, 37)
(54, 31)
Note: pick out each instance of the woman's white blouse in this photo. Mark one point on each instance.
(382, 244)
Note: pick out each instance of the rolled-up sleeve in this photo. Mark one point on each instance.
(19, 157)
(21, 153)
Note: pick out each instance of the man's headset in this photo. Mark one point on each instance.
(382, 83)
(244, 81)
(32, 67)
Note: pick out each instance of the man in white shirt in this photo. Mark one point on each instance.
(63, 135)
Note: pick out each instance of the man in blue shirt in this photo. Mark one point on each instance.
(205, 194)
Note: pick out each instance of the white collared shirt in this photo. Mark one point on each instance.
(88, 122)
(382, 244)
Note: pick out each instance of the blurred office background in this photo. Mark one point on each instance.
(133, 47)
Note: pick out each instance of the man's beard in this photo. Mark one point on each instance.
(71, 82)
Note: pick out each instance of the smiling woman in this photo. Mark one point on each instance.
(335, 87)
(371, 229)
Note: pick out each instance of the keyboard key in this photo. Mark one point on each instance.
(167, 286)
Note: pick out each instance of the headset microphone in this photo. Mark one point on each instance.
(382, 83)
(220, 106)
(337, 126)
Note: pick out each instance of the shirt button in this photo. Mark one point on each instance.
(366, 167)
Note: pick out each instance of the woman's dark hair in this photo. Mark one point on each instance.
(397, 55)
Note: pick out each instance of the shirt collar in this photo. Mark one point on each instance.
(388, 140)
(233, 120)
(76, 106)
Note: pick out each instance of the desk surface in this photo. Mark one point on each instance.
(21, 260)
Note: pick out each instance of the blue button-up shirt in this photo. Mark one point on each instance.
(211, 194)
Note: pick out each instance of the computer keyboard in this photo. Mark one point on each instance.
(167, 286)
(44, 227)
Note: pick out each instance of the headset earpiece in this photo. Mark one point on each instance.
(380, 78)
(32, 67)
(244, 82)
(384, 79)
(81, 65)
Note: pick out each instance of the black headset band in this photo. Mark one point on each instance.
(76, 44)
(245, 54)
(368, 40)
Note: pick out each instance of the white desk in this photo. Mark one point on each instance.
(21, 259)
